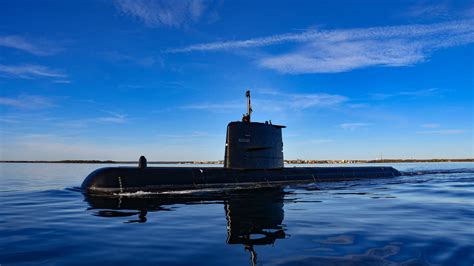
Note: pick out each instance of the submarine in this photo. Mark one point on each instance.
(253, 159)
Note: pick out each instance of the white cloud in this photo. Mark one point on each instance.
(27, 102)
(20, 43)
(30, 71)
(161, 12)
(343, 56)
(353, 126)
(331, 51)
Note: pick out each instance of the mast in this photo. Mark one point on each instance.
(246, 117)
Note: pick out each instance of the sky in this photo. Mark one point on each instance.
(113, 80)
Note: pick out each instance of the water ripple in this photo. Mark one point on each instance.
(422, 218)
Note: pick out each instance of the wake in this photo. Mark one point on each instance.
(438, 172)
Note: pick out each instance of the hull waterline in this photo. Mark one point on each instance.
(111, 180)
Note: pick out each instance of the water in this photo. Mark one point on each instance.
(421, 219)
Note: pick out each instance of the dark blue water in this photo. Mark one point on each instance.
(425, 218)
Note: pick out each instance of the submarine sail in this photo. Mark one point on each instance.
(252, 145)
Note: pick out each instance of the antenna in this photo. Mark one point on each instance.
(246, 117)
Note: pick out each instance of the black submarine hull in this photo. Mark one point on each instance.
(111, 180)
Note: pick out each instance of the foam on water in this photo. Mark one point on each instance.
(438, 172)
(141, 193)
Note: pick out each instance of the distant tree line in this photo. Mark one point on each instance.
(297, 161)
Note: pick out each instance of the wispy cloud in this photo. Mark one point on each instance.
(313, 141)
(303, 101)
(39, 48)
(191, 136)
(114, 118)
(469, 12)
(213, 106)
(357, 105)
(277, 100)
(443, 132)
(353, 126)
(27, 102)
(109, 118)
(257, 42)
(407, 93)
(62, 81)
(8, 119)
(430, 125)
(58, 147)
(145, 61)
(273, 100)
(154, 13)
(332, 51)
(439, 10)
(30, 71)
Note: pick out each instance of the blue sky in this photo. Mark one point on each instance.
(118, 79)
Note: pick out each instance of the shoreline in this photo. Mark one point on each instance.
(221, 162)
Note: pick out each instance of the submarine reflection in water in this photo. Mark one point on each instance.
(254, 217)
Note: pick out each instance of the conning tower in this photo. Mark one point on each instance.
(253, 145)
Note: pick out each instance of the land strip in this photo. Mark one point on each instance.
(297, 161)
